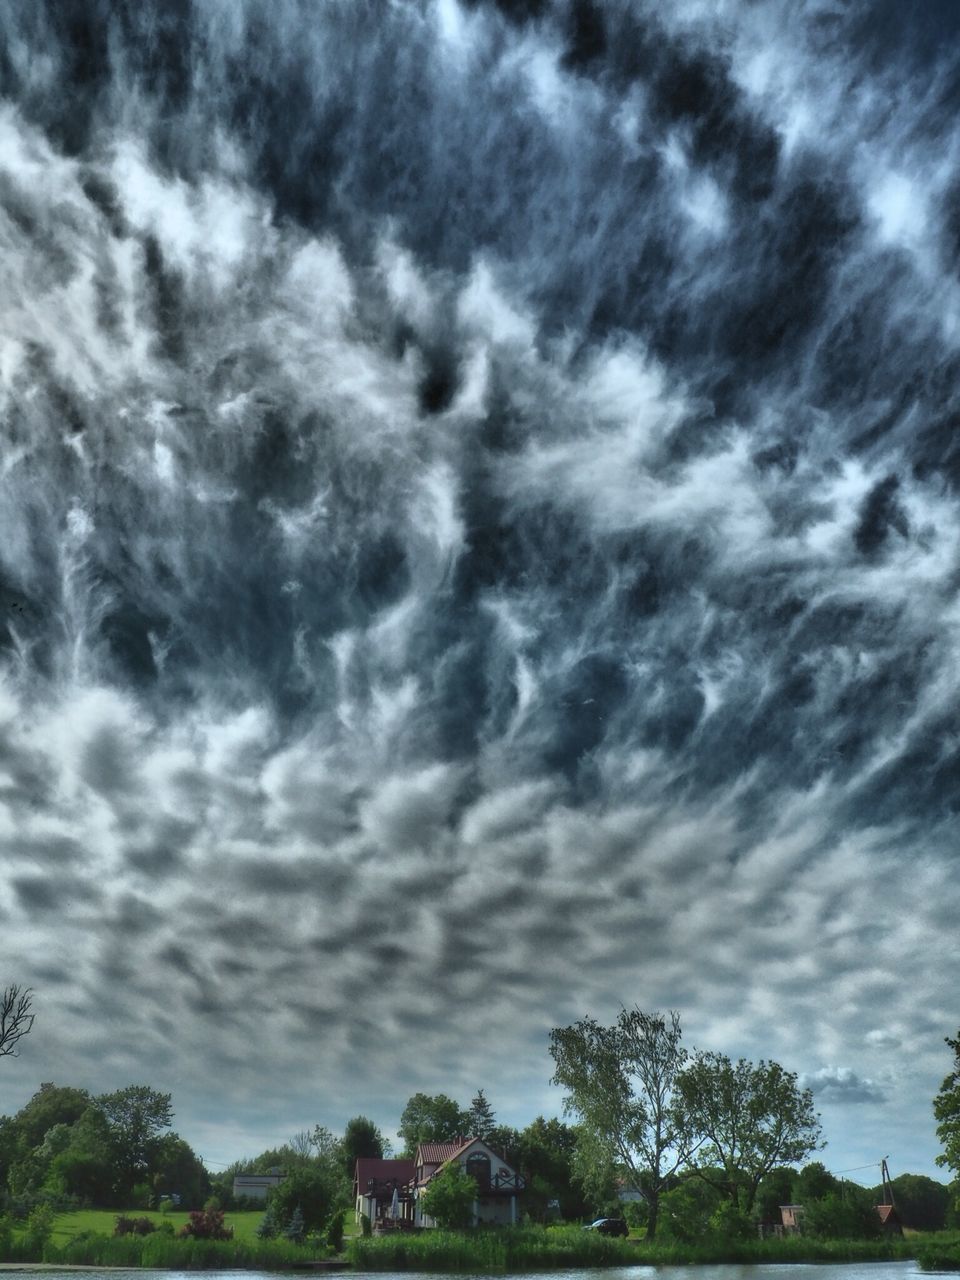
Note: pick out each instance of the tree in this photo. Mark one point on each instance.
(16, 1020)
(621, 1081)
(85, 1168)
(814, 1182)
(135, 1116)
(449, 1197)
(946, 1109)
(845, 1215)
(922, 1202)
(361, 1139)
(312, 1190)
(482, 1119)
(545, 1155)
(176, 1170)
(747, 1119)
(430, 1118)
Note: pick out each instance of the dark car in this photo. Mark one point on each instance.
(609, 1227)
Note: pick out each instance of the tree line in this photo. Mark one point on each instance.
(701, 1141)
(707, 1143)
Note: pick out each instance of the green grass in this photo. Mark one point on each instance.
(102, 1221)
(539, 1248)
(938, 1251)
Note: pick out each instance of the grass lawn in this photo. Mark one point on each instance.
(102, 1221)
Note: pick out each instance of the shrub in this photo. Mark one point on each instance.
(133, 1226)
(335, 1232)
(296, 1228)
(268, 1228)
(39, 1230)
(206, 1224)
(366, 1227)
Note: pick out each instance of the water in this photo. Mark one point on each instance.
(723, 1271)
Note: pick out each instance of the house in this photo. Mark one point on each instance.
(374, 1182)
(498, 1185)
(254, 1186)
(389, 1191)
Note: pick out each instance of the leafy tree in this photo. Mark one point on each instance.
(922, 1202)
(135, 1116)
(178, 1171)
(16, 1020)
(313, 1189)
(505, 1140)
(747, 1119)
(430, 1118)
(776, 1188)
(848, 1214)
(545, 1151)
(51, 1104)
(449, 1197)
(481, 1116)
(620, 1082)
(687, 1211)
(814, 1182)
(946, 1109)
(361, 1140)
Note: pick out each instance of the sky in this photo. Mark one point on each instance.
(479, 546)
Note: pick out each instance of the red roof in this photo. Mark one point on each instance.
(382, 1170)
(441, 1152)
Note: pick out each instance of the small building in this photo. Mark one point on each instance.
(379, 1185)
(254, 1186)
(890, 1223)
(791, 1219)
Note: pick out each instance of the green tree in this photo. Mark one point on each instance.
(922, 1202)
(135, 1116)
(51, 1104)
(481, 1120)
(776, 1189)
(814, 1182)
(361, 1139)
(687, 1211)
(505, 1140)
(848, 1214)
(747, 1120)
(85, 1168)
(546, 1151)
(431, 1118)
(620, 1082)
(312, 1189)
(178, 1171)
(946, 1109)
(449, 1197)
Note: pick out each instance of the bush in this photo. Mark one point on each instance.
(366, 1227)
(335, 1232)
(133, 1226)
(206, 1224)
(39, 1230)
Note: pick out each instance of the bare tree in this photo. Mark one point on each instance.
(15, 1018)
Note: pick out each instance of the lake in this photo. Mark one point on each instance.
(722, 1271)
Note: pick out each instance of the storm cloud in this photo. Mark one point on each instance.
(478, 544)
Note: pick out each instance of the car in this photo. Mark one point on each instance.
(609, 1227)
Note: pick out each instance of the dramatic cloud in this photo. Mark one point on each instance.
(478, 544)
